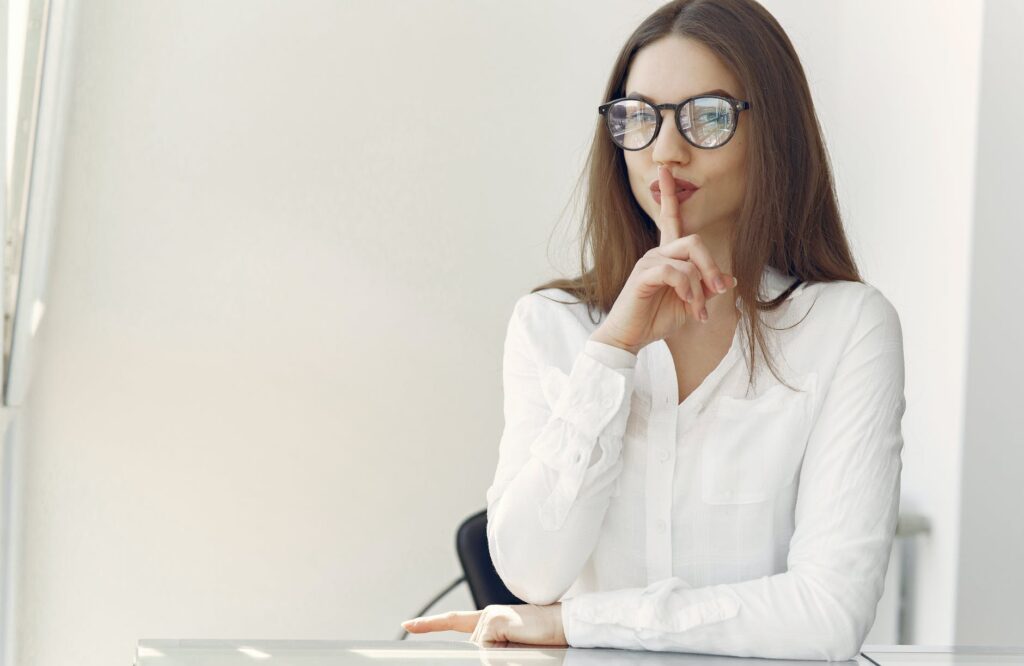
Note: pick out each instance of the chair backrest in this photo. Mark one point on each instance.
(475, 556)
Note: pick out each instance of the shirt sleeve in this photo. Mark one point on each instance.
(559, 456)
(847, 508)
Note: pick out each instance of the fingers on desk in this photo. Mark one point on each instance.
(454, 621)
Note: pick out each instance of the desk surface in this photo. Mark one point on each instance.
(421, 652)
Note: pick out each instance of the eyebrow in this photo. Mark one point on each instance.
(716, 91)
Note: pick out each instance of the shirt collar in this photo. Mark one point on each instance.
(773, 282)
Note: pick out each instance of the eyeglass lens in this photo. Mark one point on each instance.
(706, 121)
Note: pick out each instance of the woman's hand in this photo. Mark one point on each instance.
(671, 280)
(527, 624)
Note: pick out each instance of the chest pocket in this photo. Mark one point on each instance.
(754, 446)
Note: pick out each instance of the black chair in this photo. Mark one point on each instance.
(475, 556)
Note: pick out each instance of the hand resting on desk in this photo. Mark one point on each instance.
(525, 623)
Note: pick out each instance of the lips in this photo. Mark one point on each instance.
(684, 190)
(682, 185)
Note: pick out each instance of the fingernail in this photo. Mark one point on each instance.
(704, 314)
(719, 284)
(735, 281)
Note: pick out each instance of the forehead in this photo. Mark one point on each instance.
(672, 68)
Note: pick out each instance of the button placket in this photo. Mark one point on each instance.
(659, 477)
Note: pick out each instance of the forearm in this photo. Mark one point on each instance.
(545, 514)
(539, 564)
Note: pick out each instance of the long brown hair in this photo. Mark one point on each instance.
(789, 217)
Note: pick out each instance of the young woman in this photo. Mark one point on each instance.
(660, 485)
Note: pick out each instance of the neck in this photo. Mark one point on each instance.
(715, 237)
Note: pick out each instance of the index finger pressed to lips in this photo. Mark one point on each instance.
(671, 225)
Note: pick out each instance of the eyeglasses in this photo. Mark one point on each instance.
(705, 121)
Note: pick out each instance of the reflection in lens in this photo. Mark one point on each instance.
(631, 123)
(707, 121)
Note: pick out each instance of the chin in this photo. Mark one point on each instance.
(691, 224)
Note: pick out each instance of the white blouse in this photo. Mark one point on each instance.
(753, 524)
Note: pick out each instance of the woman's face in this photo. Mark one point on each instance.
(666, 71)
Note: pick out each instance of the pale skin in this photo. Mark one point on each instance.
(668, 288)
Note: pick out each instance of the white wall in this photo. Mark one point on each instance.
(990, 577)
(268, 380)
(268, 385)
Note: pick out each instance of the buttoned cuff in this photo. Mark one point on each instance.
(593, 619)
(580, 633)
(610, 355)
(590, 406)
(596, 396)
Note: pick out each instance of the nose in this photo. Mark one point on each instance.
(669, 145)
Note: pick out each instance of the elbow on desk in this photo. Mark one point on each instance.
(839, 649)
(829, 647)
(842, 627)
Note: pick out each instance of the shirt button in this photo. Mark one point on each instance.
(662, 455)
(667, 402)
(661, 526)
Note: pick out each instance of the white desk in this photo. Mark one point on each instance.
(421, 653)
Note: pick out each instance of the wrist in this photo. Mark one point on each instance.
(559, 628)
(604, 338)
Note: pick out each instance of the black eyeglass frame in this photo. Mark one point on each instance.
(736, 104)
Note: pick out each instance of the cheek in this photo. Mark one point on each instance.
(634, 167)
(731, 176)
(739, 179)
